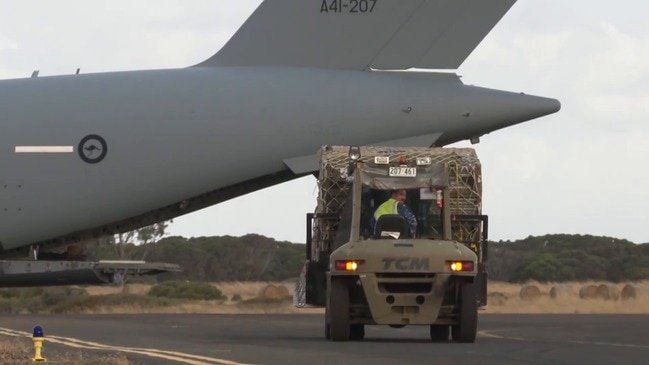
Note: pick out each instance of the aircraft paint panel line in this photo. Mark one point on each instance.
(44, 149)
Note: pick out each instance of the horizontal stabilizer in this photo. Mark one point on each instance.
(425, 140)
(303, 164)
(361, 34)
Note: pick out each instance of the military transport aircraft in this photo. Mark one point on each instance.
(88, 155)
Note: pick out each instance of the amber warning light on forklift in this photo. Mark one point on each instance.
(348, 265)
(460, 266)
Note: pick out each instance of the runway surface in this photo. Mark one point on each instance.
(298, 339)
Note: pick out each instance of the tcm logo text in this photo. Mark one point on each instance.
(406, 263)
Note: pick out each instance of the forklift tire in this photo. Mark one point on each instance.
(467, 327)
(339, 311)
(439, 333)
(357, 332)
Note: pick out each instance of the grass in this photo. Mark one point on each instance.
(20, 351)
(570, 303)
(246, 290)
(241, 297)
(509, 294)
(244, 297)
(14, 351)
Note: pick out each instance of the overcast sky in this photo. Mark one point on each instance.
(582, 170)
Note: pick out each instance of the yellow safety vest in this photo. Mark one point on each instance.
(388, 207)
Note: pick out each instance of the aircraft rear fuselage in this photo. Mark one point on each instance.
(138, 141)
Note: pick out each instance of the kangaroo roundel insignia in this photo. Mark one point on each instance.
(92, 149)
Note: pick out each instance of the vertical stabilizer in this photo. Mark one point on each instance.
(361, 34)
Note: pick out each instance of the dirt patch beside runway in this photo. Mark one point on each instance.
(573, 297)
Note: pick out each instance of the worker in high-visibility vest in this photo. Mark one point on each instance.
(396, 205)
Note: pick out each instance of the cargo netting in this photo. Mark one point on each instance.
(465, 187)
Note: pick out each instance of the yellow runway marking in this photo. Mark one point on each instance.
(163, 354)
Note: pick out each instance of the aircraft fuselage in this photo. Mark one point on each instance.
(139, 141)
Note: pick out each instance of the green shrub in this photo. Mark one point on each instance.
(56, 295)
(259, 300)
(236, 298)
(37, 291)
(9, 293)
(93, 302)
(10, 306)
(186, 290)
(38, 299)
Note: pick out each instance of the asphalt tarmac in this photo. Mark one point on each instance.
(299, 339)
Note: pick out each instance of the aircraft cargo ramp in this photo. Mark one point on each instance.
(26, 273)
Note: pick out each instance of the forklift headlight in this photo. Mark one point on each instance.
(459, 266)
(348, 265)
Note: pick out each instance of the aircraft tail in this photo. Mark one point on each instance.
(361, 34)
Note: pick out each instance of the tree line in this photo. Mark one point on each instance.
(562, 257)
(221, 258)
(548, 258)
